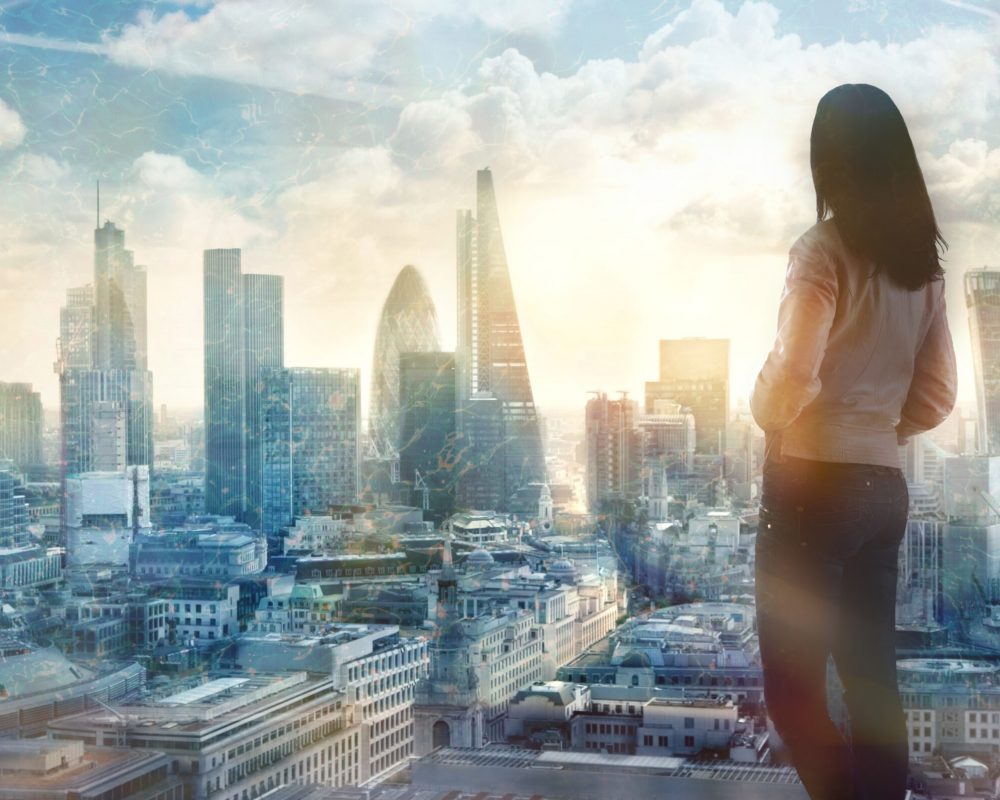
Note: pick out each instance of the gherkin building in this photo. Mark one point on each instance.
(408, 325)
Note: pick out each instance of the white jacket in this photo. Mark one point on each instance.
(859, 365)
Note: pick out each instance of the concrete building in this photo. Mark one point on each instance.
(68, 770)
(709, 648)
(103, 512)
(216, 548)
(372, 666)
(614, 451)
(477, 665)
(952, 706)
(695, 374)
(21, 425)
(235, 736)
(598, 776)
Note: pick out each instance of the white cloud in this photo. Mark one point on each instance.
(326, 49)
(12, 129)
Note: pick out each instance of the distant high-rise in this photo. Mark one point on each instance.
(76, 328)
(490, 360)
(427, 431)
(20, 425)
(13, 508)
(614, 450)
(244, 335)
(408, 324)
(310, 439)
(982, 298)
(263, 320)
(105, 385)
(695, 374)
(119, 303)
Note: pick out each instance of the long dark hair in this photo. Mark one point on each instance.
(866, 175)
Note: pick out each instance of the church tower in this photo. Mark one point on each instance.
(446, 709)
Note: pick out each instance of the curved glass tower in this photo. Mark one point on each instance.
(408, 325)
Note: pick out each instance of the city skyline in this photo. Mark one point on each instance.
(620, 126)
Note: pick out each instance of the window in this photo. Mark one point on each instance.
(688, 722)
(689, 741)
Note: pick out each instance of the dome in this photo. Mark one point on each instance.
(636, 660)
(479, 558)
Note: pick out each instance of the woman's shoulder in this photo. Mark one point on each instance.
(820, 244)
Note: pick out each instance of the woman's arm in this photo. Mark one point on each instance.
(789, 379)
(932, 390)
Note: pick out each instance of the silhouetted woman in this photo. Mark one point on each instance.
(863, 361)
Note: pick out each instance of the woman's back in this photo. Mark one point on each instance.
(851, 345)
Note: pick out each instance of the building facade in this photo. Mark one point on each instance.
(491, 359)
(982, 299)
(310, 443)
(244, 335)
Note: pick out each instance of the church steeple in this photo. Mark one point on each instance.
(448, 580)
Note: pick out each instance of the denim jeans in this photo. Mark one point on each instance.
(826, 565)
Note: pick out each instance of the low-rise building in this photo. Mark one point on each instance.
(67, 770)
(234, 736)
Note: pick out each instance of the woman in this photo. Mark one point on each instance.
(863, 361)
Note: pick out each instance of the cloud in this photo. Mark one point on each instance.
(12, 129)
(328, 49)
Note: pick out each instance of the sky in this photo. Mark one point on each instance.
(650, 161)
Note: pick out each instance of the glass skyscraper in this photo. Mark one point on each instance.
(982, 298)
(244, 336)
(427, 449)
(102, 362)
(310, 440)
(21, 425)
(491, 362)
(408, 324)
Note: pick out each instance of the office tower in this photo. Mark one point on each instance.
(310, 438)
(244, 336)
(20, 425)
(408, 324)
(614, 450)
(695, 374)
(263, 301)
(119, 303)
(106, 390)
(427, 431)
(13, 508)
(76, 328)
(94, 404)
(490, 360)
(667, 444)
(982, 298)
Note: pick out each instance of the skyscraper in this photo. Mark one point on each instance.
(695, 374)
(104, 382)
(310, 439)
(20, 425)
(244, 335)
(408, 324)
(427, 431)
(76, 328)
(263, 301)
(490, 360)
(119, 303)
(982, 298)
(614, 450)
